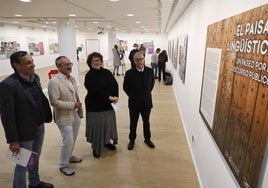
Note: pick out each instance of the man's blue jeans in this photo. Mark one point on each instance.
(33, 174)
(69, 134)
(154, 67)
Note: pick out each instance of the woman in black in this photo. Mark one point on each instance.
(162, 59)
(102, 90)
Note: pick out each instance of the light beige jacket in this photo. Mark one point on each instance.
(61, 98)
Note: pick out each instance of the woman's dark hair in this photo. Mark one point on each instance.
(15, 57)
(93, 55)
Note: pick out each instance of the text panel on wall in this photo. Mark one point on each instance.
(234, 96)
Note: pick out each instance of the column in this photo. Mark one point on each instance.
(67, 44)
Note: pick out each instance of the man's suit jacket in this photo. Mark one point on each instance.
(61, 98)
(139, 93)
(19, 112)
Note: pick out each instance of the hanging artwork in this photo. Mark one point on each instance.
(8, 46)
(234, 96)
(174, 57)
(122, 44)
(53, 46)
(182, 48)
(35, 46)
(149, 46)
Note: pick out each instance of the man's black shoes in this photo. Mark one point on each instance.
(149, 143)
(130, 145)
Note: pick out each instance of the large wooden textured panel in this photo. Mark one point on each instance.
(240, 124)
(223, 100)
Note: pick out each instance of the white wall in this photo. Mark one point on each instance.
(212, 169)
(20, 35)
(106, 42)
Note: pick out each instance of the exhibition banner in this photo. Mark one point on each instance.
(234, 96)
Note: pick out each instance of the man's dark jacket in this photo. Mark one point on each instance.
(19, 112)
(138, 86)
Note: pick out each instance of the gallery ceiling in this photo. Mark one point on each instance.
(152, 16)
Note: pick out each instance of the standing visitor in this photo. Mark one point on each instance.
(67, 108)
(116, 60)
(162, 59)
(24, 109)
(102, 91)
(131, 55)
(154, 61)
(138, 85)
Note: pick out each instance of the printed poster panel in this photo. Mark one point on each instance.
(149, 46)
(8, 46)
(122, 44)
(174, 57)
(234, 96)
(53, 46)
(35, 46)
(183, 41)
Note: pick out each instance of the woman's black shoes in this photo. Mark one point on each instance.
(95, 154)
(110, 146)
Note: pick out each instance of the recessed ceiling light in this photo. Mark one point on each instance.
(113, 0)
(72, 15)
(138, 22)
(130, 14)
(26, 1)
(95, 22)
(18, 15)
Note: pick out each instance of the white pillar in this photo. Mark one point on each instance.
(67, 44)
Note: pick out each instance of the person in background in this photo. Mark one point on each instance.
(154, 61)
(102, 90)
(24, 109)
(162, 59)
(138, 85)
(122, 56)
(142, 49)
(116, 60)
(131, 55)
(67, 108)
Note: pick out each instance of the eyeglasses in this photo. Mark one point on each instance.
(67, 65)
(96, 60)
(139, 59)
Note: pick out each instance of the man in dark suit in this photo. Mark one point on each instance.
(131, 55)
(24, 108)
(138, 85)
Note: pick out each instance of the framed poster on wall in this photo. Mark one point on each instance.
(53, 46)
(8, 45)
(149, 46)
(35, 46)
(182, 57)
(234, 96)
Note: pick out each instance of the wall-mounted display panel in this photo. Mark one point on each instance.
(8, 45)
(234, 96)
(182, 57)
(36, 47)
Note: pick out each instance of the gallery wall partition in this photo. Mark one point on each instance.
(234, 96)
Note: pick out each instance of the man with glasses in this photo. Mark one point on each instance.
(24, 109)
(138, 85)
(67, 109)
